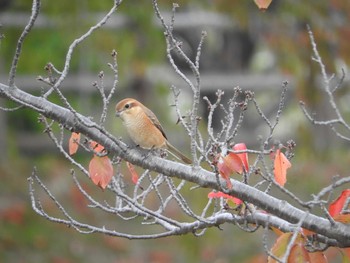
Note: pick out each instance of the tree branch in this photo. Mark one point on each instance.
(199, 176)
(35, 12)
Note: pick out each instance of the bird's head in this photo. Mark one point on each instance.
(127, 108)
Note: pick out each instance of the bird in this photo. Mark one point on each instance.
(144, 128)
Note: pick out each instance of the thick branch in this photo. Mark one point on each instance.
(203, 178)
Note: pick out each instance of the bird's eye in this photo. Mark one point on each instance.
(127, 106)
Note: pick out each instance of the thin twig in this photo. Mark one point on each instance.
(35, 12)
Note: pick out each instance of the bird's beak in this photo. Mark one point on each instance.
(117, 113)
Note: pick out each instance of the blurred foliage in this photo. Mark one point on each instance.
(134, 43)
(283, 28)
(26, 237)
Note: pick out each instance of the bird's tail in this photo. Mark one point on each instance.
(176, 152)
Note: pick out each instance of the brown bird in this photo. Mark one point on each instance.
(144, 128)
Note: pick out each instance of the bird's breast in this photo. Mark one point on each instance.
(143, 132)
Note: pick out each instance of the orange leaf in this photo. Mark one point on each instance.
(259, 258)
(342, 218)
(307, 232)
(317, 257)
(336, 207)
(98, 148)
(281, 165)
(263, 4)
(242, 156)
(280, 247)
(346, 255)
(101, 171)
(234, 200)
(225, 171)
(74, 143)
(276, 231)
(134, 175)
(298, 253)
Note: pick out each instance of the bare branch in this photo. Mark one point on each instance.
(35, 12)
(11, 109)
(162, 185)
(71, 49)
(330, 94)
(172, 43)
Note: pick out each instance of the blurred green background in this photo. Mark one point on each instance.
(259, 49)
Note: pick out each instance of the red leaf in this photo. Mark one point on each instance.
(299, 253)
(263, 4)
(74, 143)
(235, 200)
(78, 200)
(134, 175)
(98, 148)
(281, 165)
(101, 171)
(233, 162)
(242, 156)
(14, 213)
(224, 170)
(307, 232)
(337, 206)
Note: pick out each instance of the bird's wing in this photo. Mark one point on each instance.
(154, 119)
